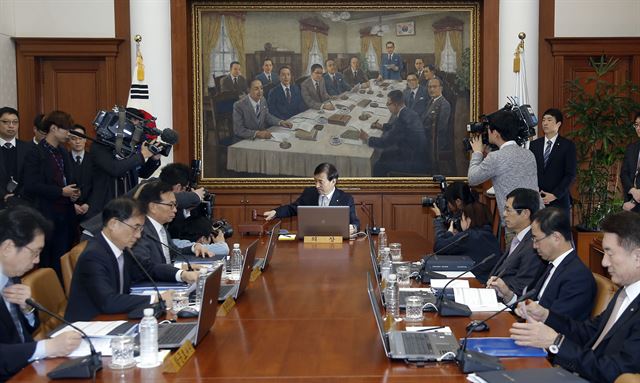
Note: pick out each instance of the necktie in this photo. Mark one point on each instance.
(8, 145)
(235, 82)
(78, 160)
(287, 93)
(543, 282)
(269, 78)
(612, 318)
(547, 152)
(120, 260)
(15, 316)
(412, 98)
(257, 110)
(318, 91)
(514, 243)
(335, 82)
(165, 249)
(324, 201)
(355, 73)
(389, 57)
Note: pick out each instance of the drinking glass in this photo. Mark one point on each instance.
(396, 251)
(122, 352)
(403, 272)
(413, 307)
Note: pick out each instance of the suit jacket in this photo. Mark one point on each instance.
(615, 355)
(310, 196)
(227, 85)
(338, 87)
(420, 101)
(389, 74)
(22, 148)
(263, 79)
(351, 79)
(557, 176)
(421, 79)
(14, 354)
(571, 290)
(109, 171)
(83, 174)
(245, 121)
(522, 268)
(436, 123)
(310, 95)
(280, 107)
(95, 287)
(628, 171)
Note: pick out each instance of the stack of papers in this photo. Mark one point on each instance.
(100, 333)
(147, 288)
(478, 299)
(440, 283)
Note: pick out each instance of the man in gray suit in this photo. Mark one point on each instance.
(314, 92)
(234, 82)
(354, 75)
(436, 120)
(251, 117)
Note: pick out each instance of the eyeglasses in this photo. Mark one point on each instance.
(172, 205)
(138, 228)
(10, 122)
(536, 240)
(34, 253)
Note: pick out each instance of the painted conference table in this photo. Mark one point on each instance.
(306, 319)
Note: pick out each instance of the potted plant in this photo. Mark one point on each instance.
(601, 111)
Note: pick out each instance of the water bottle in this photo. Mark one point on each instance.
(236, 263)
(382, 240)
(391, 297)
(386, 266)
(148, 340)
(200, 286)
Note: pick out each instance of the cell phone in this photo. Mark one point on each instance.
(12, 185)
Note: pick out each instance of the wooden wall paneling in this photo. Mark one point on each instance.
(405, 212)
(490, 53)
(122, 62)
(373, 203)
(182, 81)
(546, 30)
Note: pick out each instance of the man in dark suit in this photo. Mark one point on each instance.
(314, 92)
(234, 82)
(82, 170)
(567, 285)
(354, 75)
(50, 184)
(325, 193)
(629, 172)
(22, 233)
(38, 134)
(403, 140)
(333, 80)
(436, 121)
(391, 67)
(102, 277)
(556, 162)
(251, 116)
(415, 96)
(601, 348)
(267, 77)
(285, 99)
(13, 152)
(420, 72)
(520, 265)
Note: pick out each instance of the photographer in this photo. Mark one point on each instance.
(475, 220)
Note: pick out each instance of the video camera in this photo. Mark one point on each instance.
(208, 199)
(441, 203)
(224, 226)
(123, 130)
(527, 121)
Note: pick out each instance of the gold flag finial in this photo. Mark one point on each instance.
(139, 59)
(518, 52)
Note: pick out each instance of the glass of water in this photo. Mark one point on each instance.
(122, 352)
(180, 300)
(396, 251)
(403, 272)
(413, 306)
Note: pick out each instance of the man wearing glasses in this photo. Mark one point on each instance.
(12, 159)
(629, 172)
(566, 286)
(314, 92)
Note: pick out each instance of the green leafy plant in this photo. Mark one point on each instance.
(463, 73)
(601, 111)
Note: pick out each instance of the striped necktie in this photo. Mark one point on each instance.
(15, 316)
(547, 152)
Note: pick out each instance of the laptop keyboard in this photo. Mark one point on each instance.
(416, 343)
(224, 290)
(173, 333)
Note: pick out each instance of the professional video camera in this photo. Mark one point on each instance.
(527, 121)
(441, 203)
(206, 206)
(123, 130)
(224, 226)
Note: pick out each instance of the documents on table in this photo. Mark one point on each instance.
(440, 283)
(478, 299)
(280, 136)
(97, 328)
(456, 274)
(445, 329)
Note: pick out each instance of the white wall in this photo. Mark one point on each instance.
(597, 18)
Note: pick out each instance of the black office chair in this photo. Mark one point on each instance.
(300, 80)
(223, 111)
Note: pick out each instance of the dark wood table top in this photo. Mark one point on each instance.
(307, 318)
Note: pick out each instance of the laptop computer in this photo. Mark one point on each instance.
(263, 263)
(323, 220)
(409, 345)
(236, 289)
(172, 335)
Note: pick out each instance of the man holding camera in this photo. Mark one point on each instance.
(13, 152)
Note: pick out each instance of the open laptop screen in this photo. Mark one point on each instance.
(323, 220)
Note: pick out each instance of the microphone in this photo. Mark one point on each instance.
(427, 275)
(171, 250)
(373, 229)
(84, 367)
(169, 136)
(449, 308)
(161, 306)
(474, 361)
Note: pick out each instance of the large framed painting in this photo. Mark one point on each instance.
(281, 87)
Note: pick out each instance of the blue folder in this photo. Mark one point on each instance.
(503, 347)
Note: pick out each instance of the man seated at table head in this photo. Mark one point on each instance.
(403, 140)
(285, 99)
(601, 348)
(324, 193)
(353, 75)
(103, 276)
(234, 82)
(22, 234)
(566, 285)
(415, 95)
(267, 76)
(251, 116)
(520, 265)
(333, 80)
(314, 92)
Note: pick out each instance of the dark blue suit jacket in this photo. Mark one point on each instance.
(263, 78)
(280, 107)
(420, 101)
(628, 171)
(389, 74)
(95, 287)
(572, 289)
(618, 353)
(309, 197)
(560, 172)
(22, 149)
(339, 87)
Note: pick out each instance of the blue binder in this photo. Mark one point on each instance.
(503, 347)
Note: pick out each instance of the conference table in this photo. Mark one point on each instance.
(307, 318)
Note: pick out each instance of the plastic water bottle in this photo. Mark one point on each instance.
(386, 266)
(391, 297)
(200, 286)
(382, 240)
(236, 263)
(148, 340)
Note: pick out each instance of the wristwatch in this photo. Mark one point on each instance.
(555, 347)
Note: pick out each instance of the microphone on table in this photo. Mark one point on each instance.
(427, 275)
(160, 307)
(373, 229)
(84, 367)
(449, 308)
(171, 250)
(474, 361)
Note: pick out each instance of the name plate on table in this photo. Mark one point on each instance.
(339, 119)
(175, 362)
(255, 273)
(323, 239)
(226, 306)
